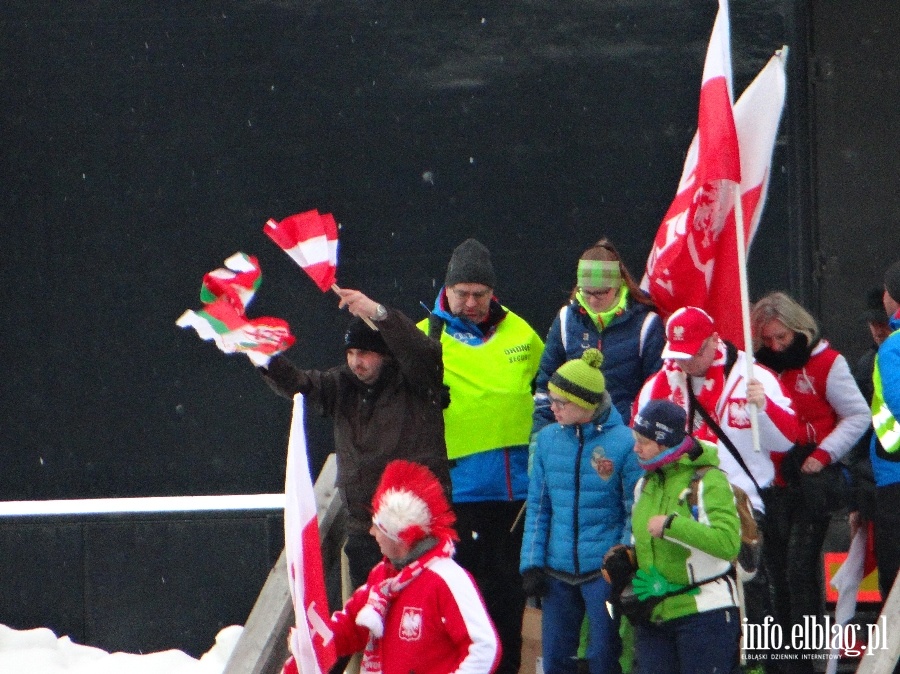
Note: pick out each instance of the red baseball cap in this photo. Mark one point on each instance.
(686, 330)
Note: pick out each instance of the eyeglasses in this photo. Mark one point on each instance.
(597, 293)
(464, 294)
(559, 402)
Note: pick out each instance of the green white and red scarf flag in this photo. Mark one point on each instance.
(311, 640)
(225, 293)
(311, 239)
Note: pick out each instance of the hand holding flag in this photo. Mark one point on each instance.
(311, 240)
(226, 292)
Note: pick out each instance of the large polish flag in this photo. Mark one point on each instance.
(682, 258)
(693, 260)
(311, 240)
(757, 115)
(311, 640)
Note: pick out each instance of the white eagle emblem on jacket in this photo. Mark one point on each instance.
(411, 624)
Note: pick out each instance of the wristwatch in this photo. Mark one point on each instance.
(380, 313)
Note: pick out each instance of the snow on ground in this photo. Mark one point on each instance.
(39, 651)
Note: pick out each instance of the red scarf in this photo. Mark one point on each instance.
(372, 615)
(671, 384)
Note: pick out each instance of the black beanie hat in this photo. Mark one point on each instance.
(361, 336)
(470, 263)
(874, 312)
(892, 281)
(661, 421)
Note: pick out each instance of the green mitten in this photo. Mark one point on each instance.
(651, 583)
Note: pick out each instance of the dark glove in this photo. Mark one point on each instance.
(619, 565)
(534, 582)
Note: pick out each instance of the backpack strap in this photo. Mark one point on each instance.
(731, 354)
(645, 328)
(695, 406)
(435, 326)
(563, 319)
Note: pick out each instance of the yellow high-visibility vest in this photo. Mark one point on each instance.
(886, 426)
(490, 388)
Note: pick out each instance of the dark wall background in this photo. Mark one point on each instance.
(143, 143)
(854, 89)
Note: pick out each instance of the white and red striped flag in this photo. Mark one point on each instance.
(694, 260)
(311, 640)
(682, 259)
(757, 115)
(311, 239)
(225, 293)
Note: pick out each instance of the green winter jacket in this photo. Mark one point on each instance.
(699, 542)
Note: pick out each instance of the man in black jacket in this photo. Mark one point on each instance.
(386, 403)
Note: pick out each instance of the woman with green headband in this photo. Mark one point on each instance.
(607, 311)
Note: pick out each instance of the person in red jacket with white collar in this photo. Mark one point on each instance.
(832, 415)
(419, 611)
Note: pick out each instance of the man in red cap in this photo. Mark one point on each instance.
(419, 611)
(704, 374)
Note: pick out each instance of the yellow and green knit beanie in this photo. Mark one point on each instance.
(580, 381)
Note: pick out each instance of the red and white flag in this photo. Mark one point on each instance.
(311, 640)
(681, 261)
(757, 115)
(311, 239)
(693, 260)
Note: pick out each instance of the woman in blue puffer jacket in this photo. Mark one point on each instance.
(609, 312)
(579, 503)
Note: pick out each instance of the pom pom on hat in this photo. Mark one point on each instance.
(580, 381)
(410, 504)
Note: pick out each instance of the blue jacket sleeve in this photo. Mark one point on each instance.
(537, 515)
(631, 473)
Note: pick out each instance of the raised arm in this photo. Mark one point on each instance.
(287, 380)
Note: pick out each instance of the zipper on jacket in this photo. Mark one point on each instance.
(580, 436)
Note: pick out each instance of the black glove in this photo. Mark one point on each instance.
(619, 567)
(534, 582)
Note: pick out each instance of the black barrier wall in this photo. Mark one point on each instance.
(143, 143)
(147, 142)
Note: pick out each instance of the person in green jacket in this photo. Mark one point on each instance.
(681, 543)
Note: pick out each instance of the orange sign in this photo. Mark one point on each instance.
(868, 588)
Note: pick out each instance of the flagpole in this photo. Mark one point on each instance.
(745, 306)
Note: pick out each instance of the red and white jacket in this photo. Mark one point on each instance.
(726, 401)
(438, 624)
(833, 413)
